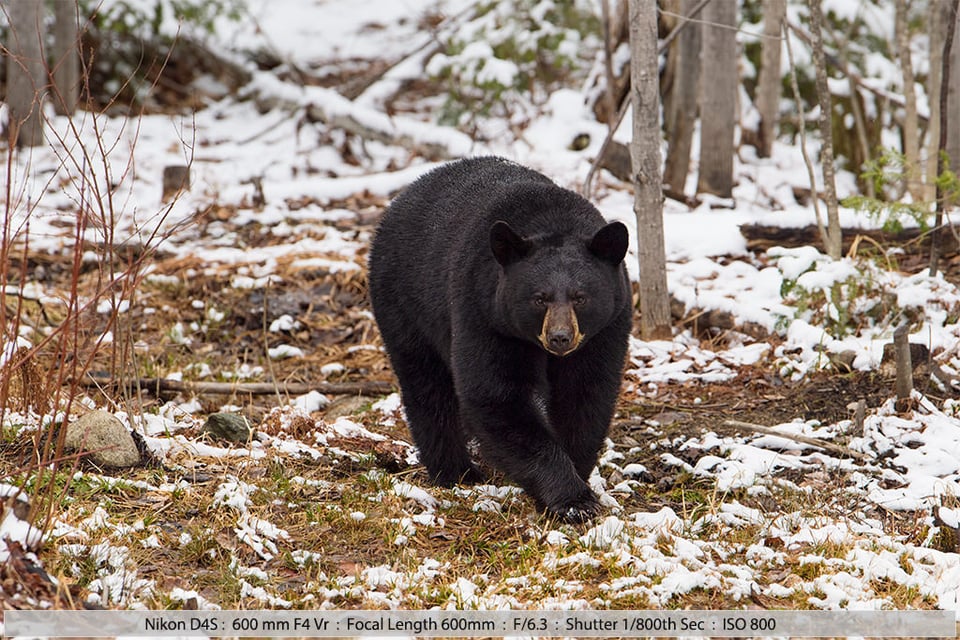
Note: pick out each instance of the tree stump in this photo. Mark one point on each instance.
(901, 348)
(176, 178)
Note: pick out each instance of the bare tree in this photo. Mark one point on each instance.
(949, 142)
(952, 87)
(26, 72)
(645, 158)
(802, 128)
(718, 102)
(681, 112)
(834, 240)
(769, 82)
(65, 53)
(937, 19)
(911, 131)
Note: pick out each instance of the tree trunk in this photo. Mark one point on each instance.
(911, 135)
(937, 15)
(801, 121)
(718, 103)
(616, 32)
(26, 75)
(609, 93)
(645, 155)
(949, 143)
(769, 83)
(953, 97)
(66, 57)
(833, 239)
(681, 115)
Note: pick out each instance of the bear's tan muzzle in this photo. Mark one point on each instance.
(560, 334)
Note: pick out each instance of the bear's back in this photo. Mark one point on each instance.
(450, 210)
(460, 193)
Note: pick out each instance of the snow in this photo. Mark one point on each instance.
(12, 527)
(311, 401)
(282, 351)
(407, 490)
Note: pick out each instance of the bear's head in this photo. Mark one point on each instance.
(558, 290)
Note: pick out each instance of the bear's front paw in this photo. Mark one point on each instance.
(581, 509)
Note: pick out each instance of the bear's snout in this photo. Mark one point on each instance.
(560, 333)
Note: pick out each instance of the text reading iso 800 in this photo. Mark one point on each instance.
(749, 624)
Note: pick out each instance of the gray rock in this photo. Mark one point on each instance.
(231, 427)
(346, 406)
(103, 439)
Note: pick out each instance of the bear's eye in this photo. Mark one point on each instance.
(539, 300)
(579, 299)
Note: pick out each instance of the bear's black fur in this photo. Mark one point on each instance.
(505, 309)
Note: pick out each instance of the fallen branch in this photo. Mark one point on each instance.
(334, 110)
(813, 442)
(163, 385)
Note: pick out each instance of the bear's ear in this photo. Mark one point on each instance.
(610, 243)
(506, 244)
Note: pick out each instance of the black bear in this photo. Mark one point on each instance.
(505, 309)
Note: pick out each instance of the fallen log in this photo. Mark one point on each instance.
(699, 320)
(761, 237)
(163, 385)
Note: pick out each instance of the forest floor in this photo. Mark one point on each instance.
(326, 507)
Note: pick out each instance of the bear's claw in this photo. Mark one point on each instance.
(576, 511)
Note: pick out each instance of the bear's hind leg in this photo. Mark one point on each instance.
(430, 403)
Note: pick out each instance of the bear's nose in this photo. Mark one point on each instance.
(559, 340)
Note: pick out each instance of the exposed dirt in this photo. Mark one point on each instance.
(751, 397)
